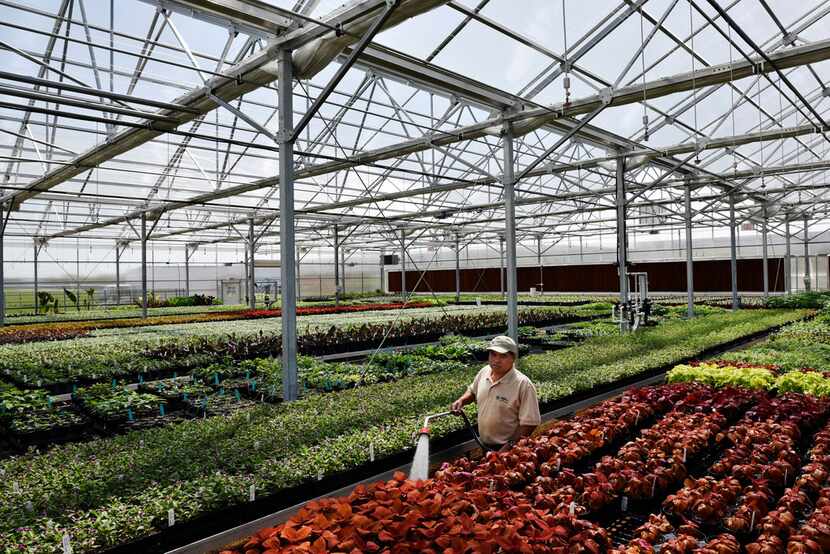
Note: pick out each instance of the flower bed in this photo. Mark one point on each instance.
(200, 466)
(16, 334)
(544, 495)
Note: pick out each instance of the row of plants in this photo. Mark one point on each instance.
(216, 389)
(85, 361)
(65, 330)
(808, 382)
(110, 491)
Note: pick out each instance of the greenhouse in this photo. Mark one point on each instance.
(405, 276)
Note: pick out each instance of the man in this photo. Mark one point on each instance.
(507, 405)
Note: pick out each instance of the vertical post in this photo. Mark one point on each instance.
(187, 252)
(501, 265)
(77, 275)
(690, 272)
(403, 265)
(37, 252)
(622, 239)
(336, 266)
(289, 301)
(343, 271)
(247, 276)
(510, 236)
(807, 283)
(299, 279)
(381, 285)
(457, 268)
(118, 251)
(765, 254)
(143, 264)
(733, 252)
(788, 286)
(539, 262)
(251, 265)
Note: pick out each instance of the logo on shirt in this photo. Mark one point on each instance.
(501, 398)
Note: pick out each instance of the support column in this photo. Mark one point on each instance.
(622, 238)
(38, 246)
(251, 264)
(287, 251)
(733, 252)
(189, 249)
(403, 265)
(457, 269)
(119, 249)
(510, 237)
(343, 271)
(539, 263)
(765, 254)
(807, 282)
(381, 285)
(501, 265)
(247, 276)
(788, 285)
(143, 264)
(690, 272)
(299, 278)
(336, 266)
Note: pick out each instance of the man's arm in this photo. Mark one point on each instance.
(462, 401)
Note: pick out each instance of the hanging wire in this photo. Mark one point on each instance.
(566, 82)
(643, 61)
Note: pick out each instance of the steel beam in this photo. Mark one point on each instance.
(252, 267)
(788, 286)
(336, 266)
(690, 272)
(510, 236)
(622, 235)
(764, 254)
(457, 269)
(733, 253)
(403, 265)
(144, 265)
(287, 249)
(807, 280)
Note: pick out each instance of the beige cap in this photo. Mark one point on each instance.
(503, 345)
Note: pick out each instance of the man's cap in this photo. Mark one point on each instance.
(503, 345)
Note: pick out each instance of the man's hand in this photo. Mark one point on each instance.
(465, 398)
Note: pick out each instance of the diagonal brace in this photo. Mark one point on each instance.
(344, 68)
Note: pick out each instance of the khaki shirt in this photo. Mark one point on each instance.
(504, 405)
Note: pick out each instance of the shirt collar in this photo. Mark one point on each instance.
(506, 378)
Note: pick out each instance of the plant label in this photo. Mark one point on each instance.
(478, 301)
(492, 485)
(130, 414)
(114, 383)
(752, 522)
(572, 508)
(256, 445)
(236, 394)
(653, 486)
(171, 518)
(624, 504)
(67, 548)
(637, 419)
(684, 454)
(161, 410)
(39, 382)
(371, 452)
(248, 416)
(558, 463)
(319, 474)
(252, 493)
(29, 507)
(215, 378)
(15, 487)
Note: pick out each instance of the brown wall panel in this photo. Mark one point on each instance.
(709, 275)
